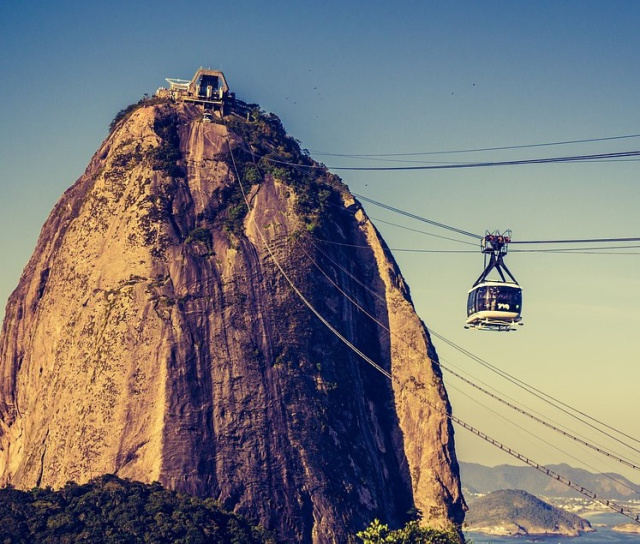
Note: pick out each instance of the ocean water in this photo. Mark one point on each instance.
(603, 534)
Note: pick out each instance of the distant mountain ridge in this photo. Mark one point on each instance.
(481, 479)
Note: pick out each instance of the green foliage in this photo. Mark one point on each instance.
(411, 533)
(235, 217)
(111, 510)
(227, 208)
(269, 150)
(125, 112)
(251, 174)
(165, 157)
(200, 234)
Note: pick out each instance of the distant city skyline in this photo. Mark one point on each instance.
(381, 79)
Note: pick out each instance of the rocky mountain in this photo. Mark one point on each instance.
(481, 479)
(163, 331)
(511, 512)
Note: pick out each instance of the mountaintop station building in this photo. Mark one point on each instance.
(208, 88)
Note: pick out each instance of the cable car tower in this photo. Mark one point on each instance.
(494, 305)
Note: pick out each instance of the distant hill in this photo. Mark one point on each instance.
(516, 512)
(481, 479)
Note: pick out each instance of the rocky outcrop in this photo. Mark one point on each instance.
(159, 332)
(632, 528)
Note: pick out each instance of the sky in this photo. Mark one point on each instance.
(405, 77)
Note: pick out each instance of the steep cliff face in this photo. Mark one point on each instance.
(155, 334)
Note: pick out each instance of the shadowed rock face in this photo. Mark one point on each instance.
(153, 335)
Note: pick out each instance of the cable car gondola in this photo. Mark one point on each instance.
(492, 304)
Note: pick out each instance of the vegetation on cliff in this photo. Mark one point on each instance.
(166, 156)
(126, 112)
(411, 533)
(268, 150)
(111, 510)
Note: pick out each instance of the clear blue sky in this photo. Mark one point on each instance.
(389, 77)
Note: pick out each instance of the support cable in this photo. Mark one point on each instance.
(454, 229)
(567, 251)
(544, 396)
(475, 150)
(417, 217)
(378, 220)
(539, 438)
(299, 167)
(579, 241)
(541, 421)
(576, 250)
(521, 162)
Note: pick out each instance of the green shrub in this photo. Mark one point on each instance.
(125, 112)
(270, 150)
(411, 533)
(109, 509)
(165, 157)
(200, 234)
